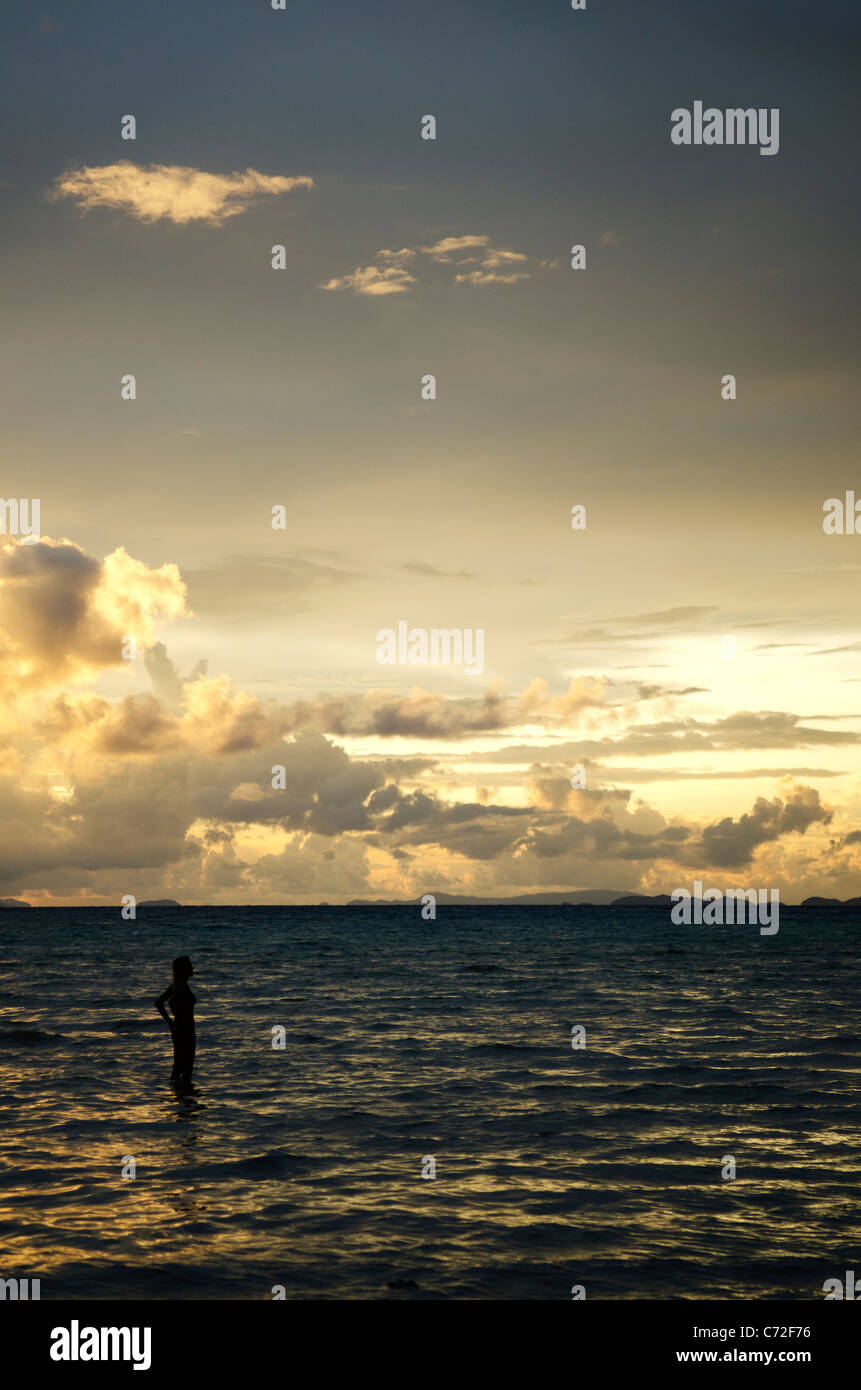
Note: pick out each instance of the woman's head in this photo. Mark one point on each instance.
(182, 970)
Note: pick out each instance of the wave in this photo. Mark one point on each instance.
(27, 1037)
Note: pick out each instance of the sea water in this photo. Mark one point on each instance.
(407, 1040)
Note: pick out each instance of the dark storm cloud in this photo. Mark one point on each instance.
(729, 844)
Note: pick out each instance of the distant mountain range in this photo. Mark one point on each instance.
(583, 897)
(588, 897)
(153, 902)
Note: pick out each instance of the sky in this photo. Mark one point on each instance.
(694, 649)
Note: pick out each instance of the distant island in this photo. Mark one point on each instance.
(831, 902)
(583, 897)
(580, 897)
(587, 896)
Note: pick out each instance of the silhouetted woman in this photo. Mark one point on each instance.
(181, 1001)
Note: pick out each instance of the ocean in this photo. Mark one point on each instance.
(408, 1041)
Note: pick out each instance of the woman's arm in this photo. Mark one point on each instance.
(160, 1003)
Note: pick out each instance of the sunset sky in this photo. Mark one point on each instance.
(256, 387)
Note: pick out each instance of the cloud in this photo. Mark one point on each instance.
(374, 280)
(773, 729)
(169, 792)
(489, 277)
(388, 274)
(423, 715)
(709, 774)
(166, 679)
(612, 238)
(416, 715)
(498, 267)
(498, 259)
(138, 724)
(173, 191)
(645, 625)
(740, 732)
(729, 844)
(434, 571)
(451, 246)
(265, 585)
(406, 253)
(64, 615)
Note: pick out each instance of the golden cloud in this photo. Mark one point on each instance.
(173, 191)
(64, 615)
(388, 273)
(374, 280)
(173, 796)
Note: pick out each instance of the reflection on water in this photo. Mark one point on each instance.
(303, 1167)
